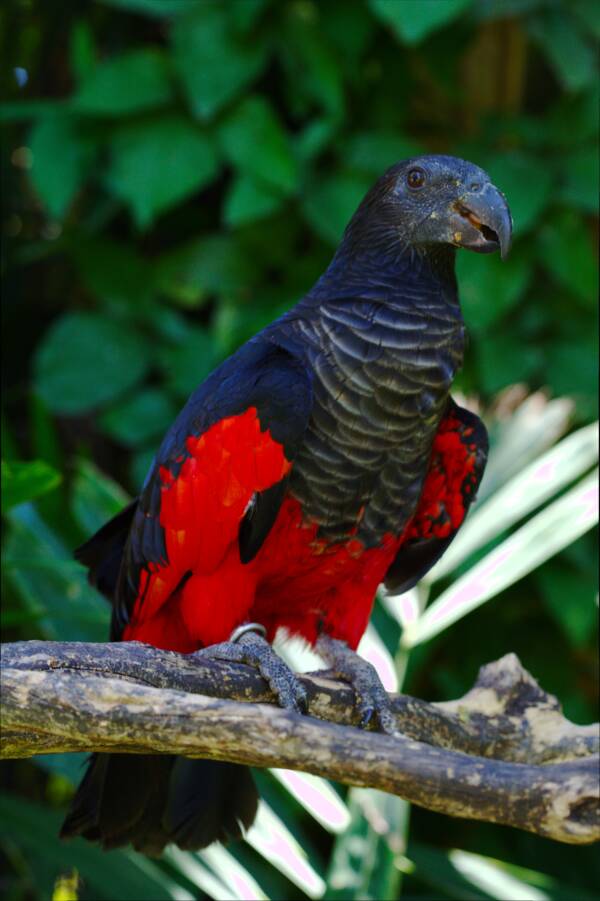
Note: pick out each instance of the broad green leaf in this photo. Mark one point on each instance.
(153, 8)
(114, 272)
(159, 162)
(45, 575)
(374, 151)
(139, 418)
(85, 360)
(490, 287)
(62, 160)
(82, 51)
(557, 526)
(527, 183)
(570, 55)
(312, 66)
(413, 20)
(566, 247)
(187, 364)
(573, 369)
(570, 596)
(271, 838)
(213, 63)
(249, 199)
(114, 876)
(254, 141)
(580, 187)
(213, 264)
(95, 498)
(329, 203)
(526, 491)
(128, 83)
(498, 366)
(25, 481)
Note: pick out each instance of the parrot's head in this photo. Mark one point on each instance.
(438, 200)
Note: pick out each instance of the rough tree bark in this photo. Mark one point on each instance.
(503, 753)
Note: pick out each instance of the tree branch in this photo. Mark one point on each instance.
(503, 753)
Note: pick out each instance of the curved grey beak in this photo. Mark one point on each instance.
(486, 223)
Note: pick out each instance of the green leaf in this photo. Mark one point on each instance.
(135, 81)
(114, 876)
(490, 287)
(187, 364)
(139, 418)
(158, 163)
(95, 498)
(213, 264)
(570, 598)
(254, 141)
(62, 160)
(248, 200)
(312, 67)
(557, 526)
(156, 9)
(374, 151)
(571, 56)
(580, 185)
(51, 584)
(85, 360)
(25, 481)
(329, 203)
(213, 63)
(498, 366)
(114, 272)
(413, 20)
(528, 184)
(566, 248)
(82, 51)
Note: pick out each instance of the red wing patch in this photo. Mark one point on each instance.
(201, 507)
(451, 475)
(456, 466)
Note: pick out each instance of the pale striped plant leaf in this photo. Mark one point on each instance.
(273, 841)
(553, 529)
(538, 482)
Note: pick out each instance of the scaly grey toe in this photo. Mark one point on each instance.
(371, 697)
(255, 650)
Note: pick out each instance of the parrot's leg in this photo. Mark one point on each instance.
(247, 645)
(371, 697)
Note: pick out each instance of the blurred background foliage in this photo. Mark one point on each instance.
(177, 173)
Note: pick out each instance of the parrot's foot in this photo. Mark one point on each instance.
(371, 697)
(246, 646)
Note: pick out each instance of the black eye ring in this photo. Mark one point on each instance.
(415, 178)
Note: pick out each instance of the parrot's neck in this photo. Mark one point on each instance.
(400, 277)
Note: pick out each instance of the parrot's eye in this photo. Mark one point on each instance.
(415, 178)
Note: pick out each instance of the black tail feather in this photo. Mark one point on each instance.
(151, 800)
(102, 552)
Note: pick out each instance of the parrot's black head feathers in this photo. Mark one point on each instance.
(428, 201)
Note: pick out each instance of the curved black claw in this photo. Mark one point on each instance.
(255, 650)
(371, 697)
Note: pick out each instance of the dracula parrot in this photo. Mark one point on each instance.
(323, 458)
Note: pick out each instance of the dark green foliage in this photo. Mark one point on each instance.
(176, 175)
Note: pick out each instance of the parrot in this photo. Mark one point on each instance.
(323, 458)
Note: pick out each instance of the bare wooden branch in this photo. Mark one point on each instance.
(503, 753)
